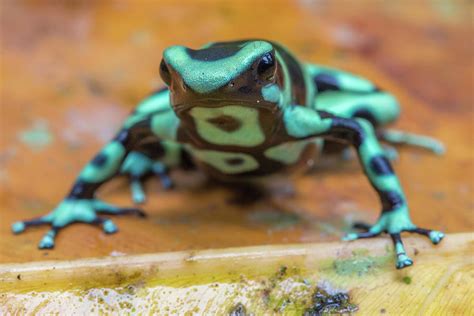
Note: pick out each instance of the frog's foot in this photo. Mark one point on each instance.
(72, 211)
(403, 138)
(394, 224)
(138, 166)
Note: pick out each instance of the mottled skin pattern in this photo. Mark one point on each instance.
(242, 111)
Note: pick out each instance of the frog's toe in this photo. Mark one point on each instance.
(166, 182)
(162, 173)
(102, 207)
(369, 231)
(362, 226)
(354, 236)
(138, 194)
(390, 152)
(21, 226)
(350, 236)
(403, 261)
(47, 242)
(109, 227)
(434, 235)
(18, 227)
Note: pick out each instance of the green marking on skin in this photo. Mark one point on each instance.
(172, 156)
(159, 102)
(345, 80)
(287, 153)
(399, 249)
(383, 106)
(287, 85)
(370, 148)
(351, 81)
(309, 85)
(156, 102)
(133, 119)
(248, 135)
(165, 125)
(302, 121)
(218, 160)
(114, 152)
(271, 93)
(136, 163)
(138, 195)
(69, 211)
(395, 221)
(207, 76)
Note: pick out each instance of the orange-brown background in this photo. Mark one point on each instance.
(71, 71)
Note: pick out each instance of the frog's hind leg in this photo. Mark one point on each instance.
(377, 107)
(347, 95)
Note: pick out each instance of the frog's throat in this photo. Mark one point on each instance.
(229, 125)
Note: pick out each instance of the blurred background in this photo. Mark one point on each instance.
(71, 71)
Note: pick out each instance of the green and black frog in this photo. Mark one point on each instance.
(243, 111)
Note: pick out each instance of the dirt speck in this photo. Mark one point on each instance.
(325, 303)
(238, 310)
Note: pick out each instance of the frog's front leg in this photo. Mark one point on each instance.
(152, 158)
(302, 122)
(81, 205)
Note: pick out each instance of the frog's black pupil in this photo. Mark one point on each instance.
(266, 63)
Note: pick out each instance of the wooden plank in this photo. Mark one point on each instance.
(278, 279)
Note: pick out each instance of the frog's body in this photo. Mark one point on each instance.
(242, 111)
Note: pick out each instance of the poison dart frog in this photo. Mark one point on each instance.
(243, 111)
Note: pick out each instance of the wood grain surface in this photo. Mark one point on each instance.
(71, 71)
(262, 280)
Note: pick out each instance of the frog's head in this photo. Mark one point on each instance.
(222, 78)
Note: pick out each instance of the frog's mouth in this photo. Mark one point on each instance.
(183, 108)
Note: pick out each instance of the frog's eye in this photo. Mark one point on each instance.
(266, 66)
(165, 73)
